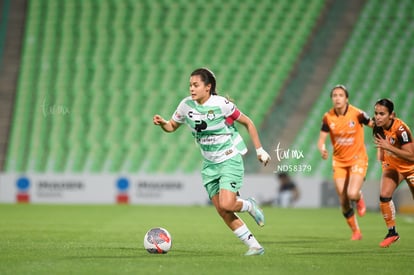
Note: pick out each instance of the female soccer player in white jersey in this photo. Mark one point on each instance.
(211, 120)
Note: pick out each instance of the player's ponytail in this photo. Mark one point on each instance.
(208, 77)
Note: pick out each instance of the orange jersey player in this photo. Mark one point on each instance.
(395, 145)
(344, 123)
(347, 135)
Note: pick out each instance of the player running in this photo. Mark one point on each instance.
(344, 123)
(211, 120)
(395, 146)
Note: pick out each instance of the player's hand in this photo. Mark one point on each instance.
(324, 152)
(381, 142)
(158, 120)
(262, 155)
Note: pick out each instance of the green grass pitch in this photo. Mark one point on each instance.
(108, 239)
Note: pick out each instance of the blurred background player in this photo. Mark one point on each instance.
(211, 120)
(344, 123)
(288, 191)
(394, 141)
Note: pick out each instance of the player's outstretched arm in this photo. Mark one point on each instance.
(167, 126)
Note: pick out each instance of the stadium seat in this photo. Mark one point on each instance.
(113, 64)
(375, 64)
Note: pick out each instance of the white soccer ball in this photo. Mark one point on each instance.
(157, 241)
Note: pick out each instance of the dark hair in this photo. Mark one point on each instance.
(282, 175)
(207, 77)
(378, 131)
(386, 103)
(340, 86)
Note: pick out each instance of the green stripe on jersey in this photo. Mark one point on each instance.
(217, 140)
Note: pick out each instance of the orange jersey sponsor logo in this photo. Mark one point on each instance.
(347, 134)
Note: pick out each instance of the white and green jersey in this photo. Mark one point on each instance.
(219, 139)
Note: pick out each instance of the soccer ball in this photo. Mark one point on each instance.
(157, 240)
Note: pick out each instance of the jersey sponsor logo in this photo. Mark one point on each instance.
(207, 140)
(404, 136)
(200, 125)
(192, 114)
(344, 141)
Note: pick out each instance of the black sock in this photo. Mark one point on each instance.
(391, 230)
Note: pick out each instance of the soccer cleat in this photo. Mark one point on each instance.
(255, 251)
(389, 239)
(256, 212)
(360, 205)
(356, 236)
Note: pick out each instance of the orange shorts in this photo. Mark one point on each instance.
(343, 171)
(408, 174)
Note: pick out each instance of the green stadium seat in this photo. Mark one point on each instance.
(372, 66)
(114, 64)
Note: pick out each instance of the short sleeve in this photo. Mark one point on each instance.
(404, 135)
(325, 126)
(363, 118)
(179, 114)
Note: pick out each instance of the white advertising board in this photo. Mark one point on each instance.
(176, 189)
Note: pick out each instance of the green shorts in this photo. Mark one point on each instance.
(225, 175)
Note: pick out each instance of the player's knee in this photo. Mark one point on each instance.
(227, 206)
(354, 195)
(222, 213)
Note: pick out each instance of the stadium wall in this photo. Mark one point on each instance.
(176, 189)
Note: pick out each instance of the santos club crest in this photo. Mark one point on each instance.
(211, 115)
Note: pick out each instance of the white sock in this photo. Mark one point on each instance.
(247, 205)
(244, 234)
